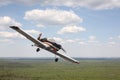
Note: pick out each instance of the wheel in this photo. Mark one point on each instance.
(38, 49)
(56, 59)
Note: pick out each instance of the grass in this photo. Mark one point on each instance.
(36, 69)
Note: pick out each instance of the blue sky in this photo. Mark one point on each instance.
(84, 28)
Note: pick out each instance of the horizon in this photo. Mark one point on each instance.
(59, 57)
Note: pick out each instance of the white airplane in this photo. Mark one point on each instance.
(46, 46)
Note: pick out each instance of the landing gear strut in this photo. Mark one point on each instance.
(38, 49)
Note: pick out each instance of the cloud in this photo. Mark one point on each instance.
(71, 29)
(6, 21)
(61, 40)
(40, 25)
(58, 39)
(114, 38)
(5, 34)
(111, 38)
(112, 43)
(4, 2)
(55, 17)
(92, 39)
(52, 17)
(91, 4)
(118, 37)
(9, 41)
(82, 43)
(68, 40)
(25, 2)
(32, 31)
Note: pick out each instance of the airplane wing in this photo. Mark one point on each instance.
(66, 57)
(41, 45)
(28, 36)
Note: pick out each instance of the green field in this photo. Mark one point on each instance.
(38, 69)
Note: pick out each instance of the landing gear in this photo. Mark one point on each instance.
(56, 59)
(38, 49)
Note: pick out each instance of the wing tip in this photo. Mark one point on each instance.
(14, 27)
(77, 62)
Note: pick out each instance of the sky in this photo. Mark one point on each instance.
(85, 28)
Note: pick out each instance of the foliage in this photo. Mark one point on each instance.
(37, 69)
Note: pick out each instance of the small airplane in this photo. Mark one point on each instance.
(46, 45)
